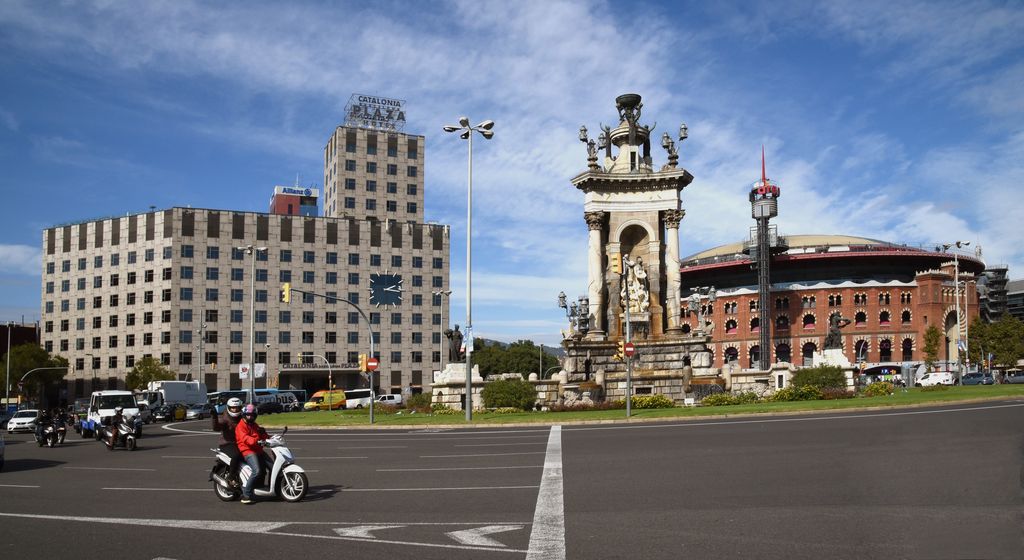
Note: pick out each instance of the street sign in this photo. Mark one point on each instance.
(372, 364)
(629, 349)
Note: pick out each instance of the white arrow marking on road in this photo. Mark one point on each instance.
(363, 531)
(476, 537)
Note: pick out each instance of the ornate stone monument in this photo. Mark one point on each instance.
(633, 213)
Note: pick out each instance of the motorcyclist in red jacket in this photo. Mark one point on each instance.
(249, 434)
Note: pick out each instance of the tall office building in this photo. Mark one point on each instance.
(175, 284)
(371, 168)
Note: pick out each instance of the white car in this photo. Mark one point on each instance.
(936, 378)
(23, 421)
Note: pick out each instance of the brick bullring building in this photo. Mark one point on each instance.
(892, 293)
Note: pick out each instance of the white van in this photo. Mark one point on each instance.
(357, 398)
(393, 400)
(936, 378)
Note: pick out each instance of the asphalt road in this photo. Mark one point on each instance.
(922, 483)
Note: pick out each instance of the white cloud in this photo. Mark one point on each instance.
(20, 260)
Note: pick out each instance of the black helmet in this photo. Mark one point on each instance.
(250, 412)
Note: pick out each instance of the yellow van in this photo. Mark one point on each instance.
(326, 400)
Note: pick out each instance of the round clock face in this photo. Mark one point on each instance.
(385, 289)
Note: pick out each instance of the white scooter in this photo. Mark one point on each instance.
(286, 479)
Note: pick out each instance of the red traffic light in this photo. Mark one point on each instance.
(372, 364)
(629, 349)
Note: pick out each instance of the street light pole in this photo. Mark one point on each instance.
(7, 371)
(251, 251)
(202, 336)
(484, 128)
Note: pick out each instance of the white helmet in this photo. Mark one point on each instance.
(234, 407)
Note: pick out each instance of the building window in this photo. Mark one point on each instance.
(411, 171)
(883, 318)
(782, 323)
(905, 317)
(809, 321)
(860, 319)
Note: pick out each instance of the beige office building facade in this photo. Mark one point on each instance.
(163, 283)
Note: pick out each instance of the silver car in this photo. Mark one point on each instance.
(23, 421)
(198, 412)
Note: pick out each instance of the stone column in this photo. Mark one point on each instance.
(595, 271)
(672, 219)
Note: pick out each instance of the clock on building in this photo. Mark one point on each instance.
(385, 289)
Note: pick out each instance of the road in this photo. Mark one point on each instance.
(924, 483)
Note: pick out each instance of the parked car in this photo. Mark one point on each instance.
(977, 378)
(1015, 377)
(393, 400)
(23, 421)
(199, 411)
(170, 413)
(269, 407)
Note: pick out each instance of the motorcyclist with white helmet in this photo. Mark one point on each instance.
(225, 423)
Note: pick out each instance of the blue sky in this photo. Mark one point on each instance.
(898, 121)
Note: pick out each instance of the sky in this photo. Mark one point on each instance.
(896, 121)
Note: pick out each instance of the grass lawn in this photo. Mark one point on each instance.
(912, 397)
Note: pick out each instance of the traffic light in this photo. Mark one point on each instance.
(616, 262)
(362, 362)
(620, 351)
(286, 292)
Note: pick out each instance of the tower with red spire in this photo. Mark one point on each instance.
(764, 206)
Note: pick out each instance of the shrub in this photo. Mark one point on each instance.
(420, 402)
(820, 377)
(747, 397)
(506, 410)
(879, 389)
(720, 399)
(509, 393)
(445, 410)
(603, 405)
(805, 393)
(435, 407)
(835, 393)
(652, 401)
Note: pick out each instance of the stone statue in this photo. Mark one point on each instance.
(834, 338)
(635, 289)
(455, 353)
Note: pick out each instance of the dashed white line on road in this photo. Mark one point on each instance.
(18, 486)
(160, 489)
(547, 538)
(498, 444)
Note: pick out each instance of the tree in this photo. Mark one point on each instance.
(27, 357)
(1004, 339)
(932, 337)
(147, 369)
(522, 356)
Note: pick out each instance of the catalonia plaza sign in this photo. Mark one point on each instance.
(369, 111)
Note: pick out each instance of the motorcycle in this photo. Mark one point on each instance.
(127, 433)
(60, 426)
(282, 478)
(49, 436)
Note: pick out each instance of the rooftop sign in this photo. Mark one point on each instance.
(368, 111)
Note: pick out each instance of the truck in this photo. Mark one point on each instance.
(159, 393)
(102, 404)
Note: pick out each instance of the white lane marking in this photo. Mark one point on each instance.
(771, 419)
(478, 536)
(106, 469)
(435, 489)
(375, 447)
(247, 527)
(497, 444)
(160, 489)
(363, 531)
(547, 539)
(18, 486)
(462, 468)
(482, 455)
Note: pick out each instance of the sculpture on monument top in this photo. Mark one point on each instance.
(635, 289)
(455, 353)
(834, 338)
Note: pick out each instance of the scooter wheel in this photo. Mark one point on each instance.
(293, 486)
(131, 444)
(40, 442)
(225, 494)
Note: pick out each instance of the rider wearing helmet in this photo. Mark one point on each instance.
(249, 434)
(225, 423)
(115, 421)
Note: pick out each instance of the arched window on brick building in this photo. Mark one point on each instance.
(860, 319)
(755, 357)
(885, 350)
(808, 321)
(883, 318)
(782, 323)
(730, 326)
(783, 353)
(905, 317)
(908, 350)
(755, 324)
(860, 350)
(731, 355)
(808, 353)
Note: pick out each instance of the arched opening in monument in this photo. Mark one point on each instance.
(951, 352)
(633, 241)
